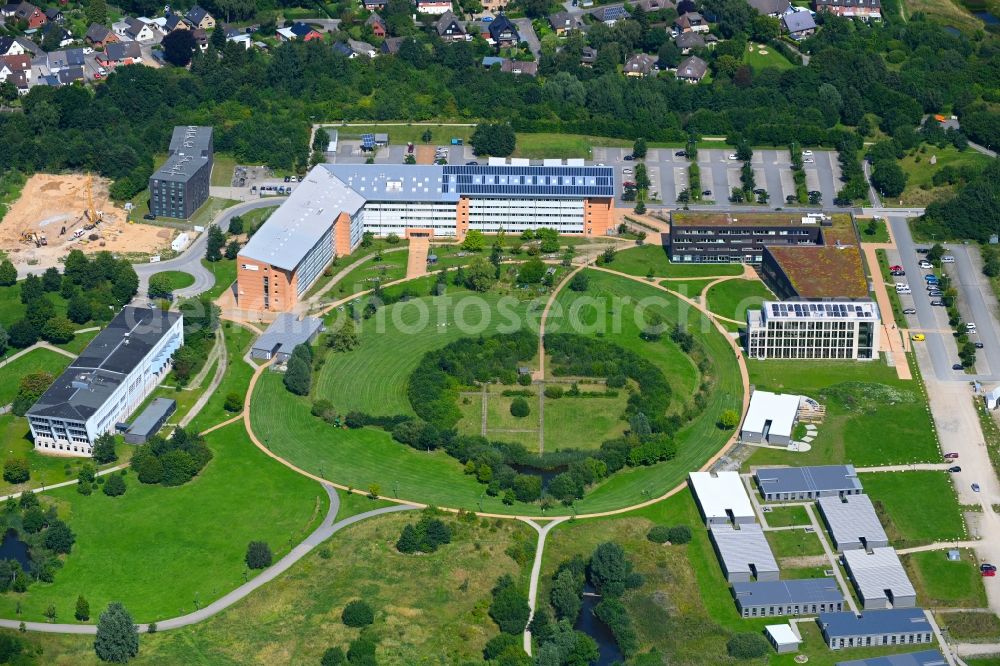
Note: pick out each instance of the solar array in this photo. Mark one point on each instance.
(822, 309)
(368, 141)
(529, 181)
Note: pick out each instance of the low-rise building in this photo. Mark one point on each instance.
(149, 422)
(138, 31)
(770, 7)
(519, 67)
(642, 64)
(864, 9)
(609, 15)
(120, 53)
(922, 658)
(692, 69)
(783, 638)
(501, 32)
(722, 498)
(99, 36)
(807, 483)
(901, 626)
(691, 22)
(743, 552)
(10, 46)
(879, 578)
(433, 7)
(450, 29)
(298, 31)
(806, 596)
(108, 380)
(852, 522)
(284, 334)
(848, 330)
(377, 24)
(770, 418)
(198, 17)
(27, 13)
(58, 60)
(563, 22)
(799, 25)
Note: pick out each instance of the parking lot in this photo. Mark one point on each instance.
(349, 152)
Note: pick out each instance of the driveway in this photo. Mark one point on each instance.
(527, 32)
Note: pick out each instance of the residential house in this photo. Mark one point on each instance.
(68, 75)
(654, 5)
(691, 22)
(236, 35)
(799, 25)
(588, 55)
(610, 15)
(377, 24)
(686, 41)
(200, 38)
(10, 46)
(866, 9)
(15, 68)
(27, 13)
(489, 61)
(58, 60)
(494, 6)
(54, 16)
(390, 45)
(375, 5)
(563, 22)
(62, 36)
(174, 22)
(20, 80)
(29, 47)
(770, 7)
(692, 69)
(199, 17)
(502, 32)
(517, 67)
(450, 29)
(435, 7)
(138, 31)
(300, 31)
(353, 49)
(99, 36)
(642, 64)
(120, 53)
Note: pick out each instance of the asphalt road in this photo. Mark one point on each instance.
(189, 261)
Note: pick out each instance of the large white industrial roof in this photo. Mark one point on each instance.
(778, 408)
(744, 550)
(852, 518)
(720, 494)
(877, 571)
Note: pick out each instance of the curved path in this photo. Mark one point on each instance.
(189, 261)
(536, 570)
(326, 529)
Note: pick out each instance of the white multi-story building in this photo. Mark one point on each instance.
(107, 382)
(814, 330)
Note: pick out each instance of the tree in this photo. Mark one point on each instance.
(496, 139)
(641, 177)
(639, 148)
(82, 613)
(766, 28)
(480, 275)
(148, 468)
(8, 274)
(51, 279)
(15, 470)
(579, 282)
(22, 334)
(357, 614)
(333, 657)
(216, 237)
(344, 338)
(234, 402)
(474, 241)
(114, 486)
(565, 596)
(78, 309)
(232, 249)
(509, 608)
(237, 225)
(298, 377)
(258, 555)
(519, 407)
(31, 289)
(97, 11)
(59, 538)
(427, 136)
(748, 645)
(33, 520)
(608, 569)
(729, 419)
(218, 38)
(409, 540)
(888, 177)
(117, 638)
(531, 272)
(58, 330)
(104, 449)
(178, 47)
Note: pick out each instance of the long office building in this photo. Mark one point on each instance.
(852, 522)
(814, 330)
(807, 483)
(330, 210)
(805, 596)
(107, 382)
(179, 187)
(904, 626)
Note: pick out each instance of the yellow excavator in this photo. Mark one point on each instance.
(93, 217)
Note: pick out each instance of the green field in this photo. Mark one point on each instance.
(690, 288)
(583, 423)
(640, 260)
(223, 166)
(161, 550)
(916, 507)
(37, 360)
(771, 58)
(785, 516)
(920, 189)
(733, 298)
(794, 543)
(941, 583)
(548, 145)
(224, 271)
(373, 378)
(12, 309)
(176, 279)
(235, 380)
(388, 267)
(205, 215)
(972, 627)
(891, 426)
(880, 231)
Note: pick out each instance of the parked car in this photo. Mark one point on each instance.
(918, 337)
(807, 153)
(97, 76)
(985, 566)
(897, 273)
(926, 265)
(935, 293)
(951, 456)
(706, 193)
(957, 366)
(733, 157)
(815, 193)
(955, 470)
(975, 487)
(989, 573)
(910, 311)
(947, 259)
(937, 303)
(681, 153)
(895, 268)
(472, 163)
(923, 250)
(979, 345)
(931, 278)
(970, 326)
(808, 160)
(149, 216)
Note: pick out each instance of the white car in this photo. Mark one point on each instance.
(970, 327)
(102, 71)
(733, 157)
(947, 259)
(926, 265)
(808, 160)
(807, 153)
(88, 51)
(627, 172)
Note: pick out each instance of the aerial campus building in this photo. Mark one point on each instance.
(814, 330)
(107, 381)
(744, 553)
(903, 626)
(770, 418)
(179, 187)
(805, 596)
(879, 578)
(330, 210)
(807, 483)
(852, 522)
(721, 498)
(922, 658)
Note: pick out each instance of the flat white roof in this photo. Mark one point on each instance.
(778, 408)
(720, 494)
(782, 634)
(878, 571)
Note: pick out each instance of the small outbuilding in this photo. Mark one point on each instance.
(149, 422)
(283, 335)
(782, 638)
(992, 398)
(770, 418)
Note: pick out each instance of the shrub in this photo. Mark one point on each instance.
(729, 419)
(680, 534)
(553, 391)
(580, 282)
(658, 534)
(333, 657)
(15, 470)
(357, 613)
(519, 408)
(509, 608)
(258, 555)
(234, 402)
(114, 486)
(747, 645)
(500, 644)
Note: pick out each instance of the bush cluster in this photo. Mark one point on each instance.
(46, 535)
(426, 536)
(171, 462)
(677, 535)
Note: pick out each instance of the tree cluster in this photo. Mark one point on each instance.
(298, 372)
(171, 462)
(425, 536)
(201, 319)
(46, 535)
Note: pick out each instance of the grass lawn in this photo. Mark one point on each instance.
(877, 227)
(255, 217)
(79, 341)
(760, 56)
(785, 516)
(224, 271)
(872, 417)
(733, 298)
(161, 550)
(545, 145)
(37, 360)
(596, 419)
(212, 207)
(972, 627)
(794, 543)
(941, 583)
(690, 288)
(390, 266)
(373, 378)
(177, 279)
(915, 507)
(12, 309)
(235, 380)
(645, 258)
(920, 189)
(429, 609)
(223, 166)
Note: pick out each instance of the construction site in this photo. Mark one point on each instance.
(58, 213)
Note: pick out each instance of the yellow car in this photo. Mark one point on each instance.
(918, 337)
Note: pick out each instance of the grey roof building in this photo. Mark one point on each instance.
(179, 187)
(109, 379)
(69, 58)
(744, 553)
(806, 596)
(149, 422)
(922, 658)
(692, 69)
(899, 626)
(283, 335)
(807, 483)
(799, 24)
(879, 578)
(852, 522)
(769, 7)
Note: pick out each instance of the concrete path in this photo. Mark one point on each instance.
(220, 372)
(37, 345)
(977, 649)
(416, 260)
(936, 467)
(539, 375)
(536, 569)
(61, 484)
(831, 558)
(892, 338)
(940, 545)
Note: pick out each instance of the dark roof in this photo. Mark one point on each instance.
(641, 63)
(151, 419)
(285, 332)
(689, 40)
(135, 26)
(6, 43)
(53, 14)
(390, 45)
(588, 54)
(692, 67)
(172, 22)
(500, 25)
(67, 58)
(122, 50)
(343, 48)
(374, 18)
(610, 13)
(300, 29)
(769, 6)
(783, 592)
(197, 14)
(518, 67)
(874, 622)
(97, 32)
(563, 21)
(798, 21)
(447, 21)
(922, 658)
(815, 478)
(91, 379)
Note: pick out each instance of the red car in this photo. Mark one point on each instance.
(951, 456)
(989, 573)
(895, 268)
(97, 75)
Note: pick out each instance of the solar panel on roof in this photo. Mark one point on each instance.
(367, 140)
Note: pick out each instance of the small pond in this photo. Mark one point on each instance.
(590, 625)
(13, 548)
(986, 17)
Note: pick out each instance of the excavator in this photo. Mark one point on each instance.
(93, 217)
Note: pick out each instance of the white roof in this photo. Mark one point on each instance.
(778, 408)
(782, 634)
(852, 518)
(721, 493)
(744, 550)
(878, 571)
(286, 33)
